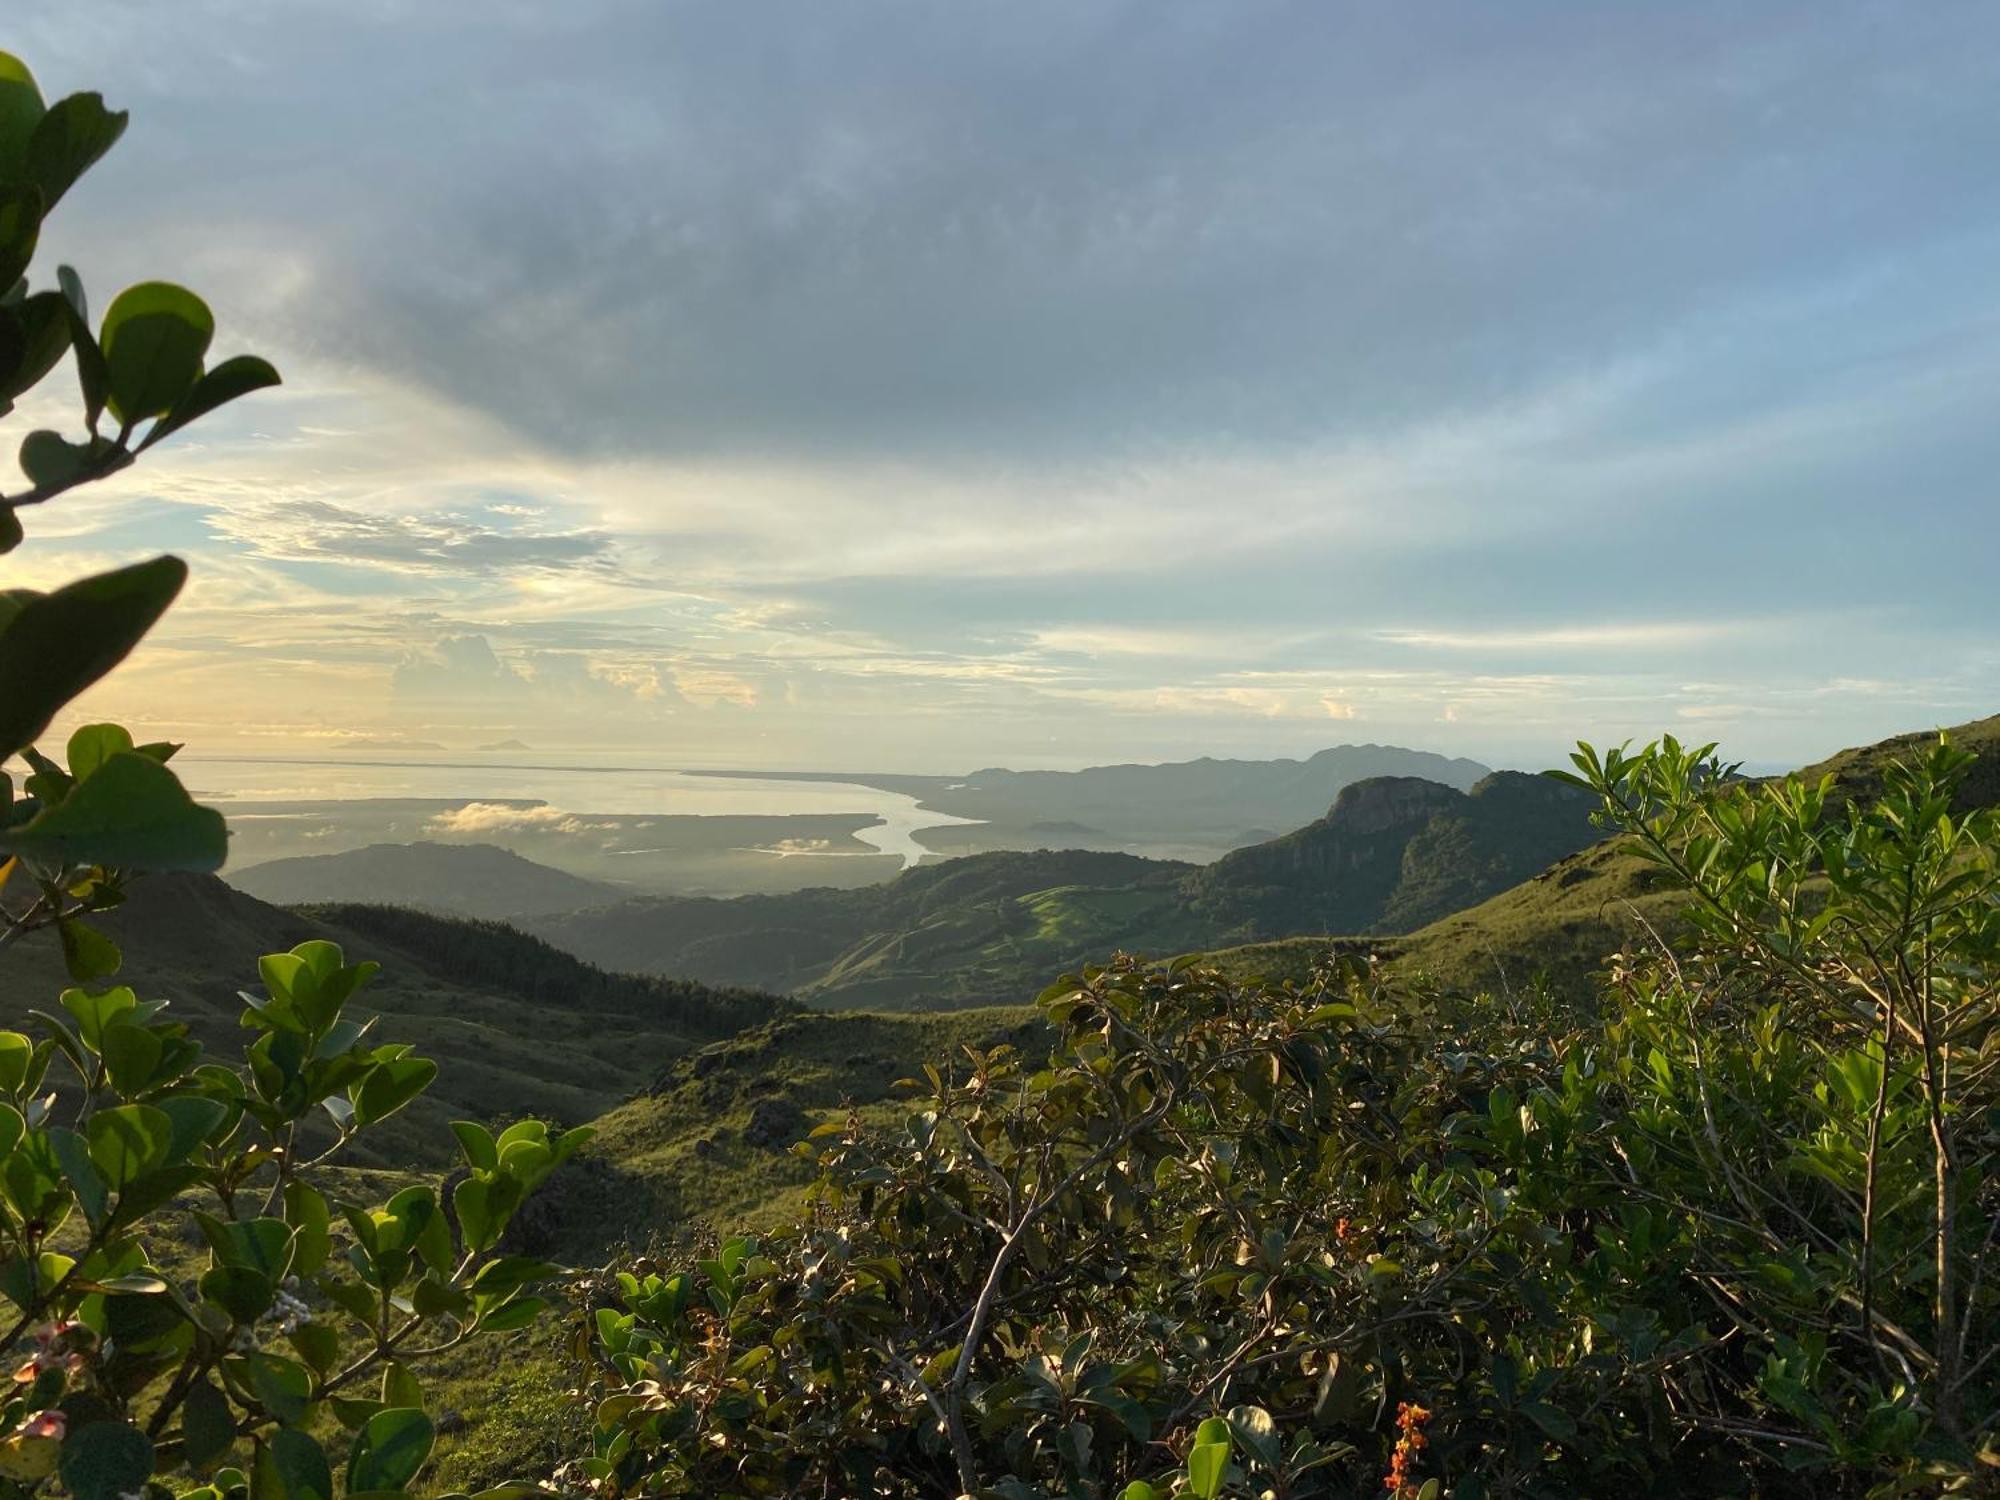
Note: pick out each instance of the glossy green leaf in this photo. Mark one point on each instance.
(20, 229)
(73, 1152)
(292, 1466)
(208, 1426)
(52, 462)
(389, 1086)
(87, 953)
(155, 336)
(390, 1449)
(21, 110)
(195, 1119)
(58, 644)
(128, 1141)
(235, 377)
(132, 1056)
(1207, 1464)
(134, 815)
(41, 336)
(70, 138)
(94, 1012)
(91, 745)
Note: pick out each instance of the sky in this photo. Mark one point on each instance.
(895, 386)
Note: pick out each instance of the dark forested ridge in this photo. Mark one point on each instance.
(518, 1026)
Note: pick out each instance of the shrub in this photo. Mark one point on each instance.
(1318, 1239)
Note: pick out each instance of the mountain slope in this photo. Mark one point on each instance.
(1564, 922)
(473, 880)
(1392, 854)
(990, 928)
(517, 1027)
(967, 931)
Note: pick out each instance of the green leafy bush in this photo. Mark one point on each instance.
(310, 1309)
(1731, 1237)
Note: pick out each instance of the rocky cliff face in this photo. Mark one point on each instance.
(1392, 852)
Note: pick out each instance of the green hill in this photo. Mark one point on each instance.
(517, 1027)
(1564, 921)
(1392, 853)
(471, 880)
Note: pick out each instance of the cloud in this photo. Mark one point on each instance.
(1065, 378)
(322, 531)
(485, 819)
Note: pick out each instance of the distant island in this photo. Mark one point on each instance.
(506, 745)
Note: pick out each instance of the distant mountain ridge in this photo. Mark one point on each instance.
(1391, 853)
(1394, 853)
(471, 880)
(1191, 809)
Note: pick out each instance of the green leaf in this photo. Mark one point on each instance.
(306, 1211)
(20, 229)
(234, 377)
(72, 1153)
(52, 462)
(389, 1086)
(518, 1312)
(42, 336)
(70, 139)
(283, 1385)
(128, 1141)
(292, 1466)
(389, 1450)
(484, 1206)
(91, 376)
(91, 745)
(87, 953)
(21, 110)
(241, 1292)
(17, 1056)
(94, 1013)
(1553, 1420)
(400, 1387)
(477, 1142)
(155, 336)
(194, 1118)
(132, 1055)
(1207, 1463)
(107, 1461)
(60, 643)
(263, 1245)
(208, 1426)
(133, 814)
(318, 1345)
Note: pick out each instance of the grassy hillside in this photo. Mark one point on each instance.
(972, 931)
(1564, 921)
